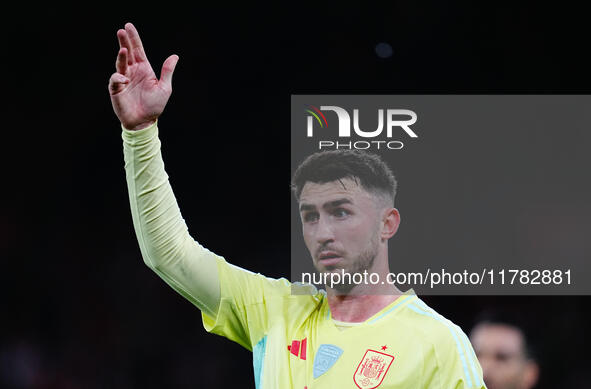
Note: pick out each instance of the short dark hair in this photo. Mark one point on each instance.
(368, 169)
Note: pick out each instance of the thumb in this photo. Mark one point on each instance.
(168, 69)
(117, 83)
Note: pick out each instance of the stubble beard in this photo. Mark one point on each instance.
(362, 263)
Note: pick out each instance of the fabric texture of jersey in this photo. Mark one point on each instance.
(295, 342)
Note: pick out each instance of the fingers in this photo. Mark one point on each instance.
(168, 69)
(117, 83)
(121, 64)
(125, 43)
(137, 49)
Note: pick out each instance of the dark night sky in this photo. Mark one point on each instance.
(79, 304)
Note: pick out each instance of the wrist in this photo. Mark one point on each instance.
(140, 126)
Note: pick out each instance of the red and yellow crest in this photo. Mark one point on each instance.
(372, 369)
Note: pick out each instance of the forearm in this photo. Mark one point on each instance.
(162, 233)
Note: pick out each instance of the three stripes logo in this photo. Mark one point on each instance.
(298, 348)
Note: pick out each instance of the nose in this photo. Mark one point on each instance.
(324, 231)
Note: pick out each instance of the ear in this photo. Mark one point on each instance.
(531, 374)
(390, 222)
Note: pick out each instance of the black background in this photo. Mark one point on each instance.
(80, 309)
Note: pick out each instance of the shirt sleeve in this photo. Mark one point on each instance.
(252, 304)
(459, 366)
(234, 302)
(246, 302)
(162, 234)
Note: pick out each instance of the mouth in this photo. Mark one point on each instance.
(329, 258)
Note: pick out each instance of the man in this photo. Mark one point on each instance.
(504, 353)
(351, 336)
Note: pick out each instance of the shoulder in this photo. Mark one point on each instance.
(446, 346)
(258, 288)
(432, 326)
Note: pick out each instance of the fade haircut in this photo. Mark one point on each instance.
(365, 168)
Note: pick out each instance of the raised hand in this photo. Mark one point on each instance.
(138, 97)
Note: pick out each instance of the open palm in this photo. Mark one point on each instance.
(138, 97)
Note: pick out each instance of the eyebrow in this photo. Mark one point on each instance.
(330, 204)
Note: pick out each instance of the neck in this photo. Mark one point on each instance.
(363, 300)
(356, 309)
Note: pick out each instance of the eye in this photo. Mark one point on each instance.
(310, 217)
(503, 357)
(341, 212)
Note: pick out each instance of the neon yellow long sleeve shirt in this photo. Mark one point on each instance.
(163, 236)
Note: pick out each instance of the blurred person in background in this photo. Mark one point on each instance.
(506, 355)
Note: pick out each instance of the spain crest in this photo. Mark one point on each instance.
(372, 369)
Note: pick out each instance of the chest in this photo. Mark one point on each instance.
(368, 356)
